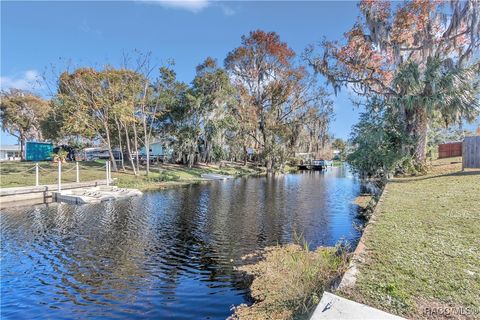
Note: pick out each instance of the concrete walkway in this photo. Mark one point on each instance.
(336, 308)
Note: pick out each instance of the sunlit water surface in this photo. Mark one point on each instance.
(168, 254)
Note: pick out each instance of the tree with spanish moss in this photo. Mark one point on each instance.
(419, 56)
(278, 92)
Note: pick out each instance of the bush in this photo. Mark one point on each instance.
(289, 281)
(293, 161)
(378, 139)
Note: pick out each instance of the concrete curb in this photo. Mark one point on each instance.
(334, 307)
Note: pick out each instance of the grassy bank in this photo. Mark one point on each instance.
(423, 247)
(288, 281)
(15, 174)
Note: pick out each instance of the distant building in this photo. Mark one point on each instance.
(89, 154)
(156, 149)
(9, 152)
(159, 151)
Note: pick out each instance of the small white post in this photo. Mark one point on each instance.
(78, 172)
(107, 165)
(36, 174)
(59, 175)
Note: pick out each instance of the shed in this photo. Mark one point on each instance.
(38, 151)
(471, 152)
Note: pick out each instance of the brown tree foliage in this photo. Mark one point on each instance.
(387, 38)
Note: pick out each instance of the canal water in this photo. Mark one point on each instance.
(167, 255)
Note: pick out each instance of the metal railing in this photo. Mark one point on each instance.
(39, 169)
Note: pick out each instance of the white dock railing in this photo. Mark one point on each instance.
(39, 170)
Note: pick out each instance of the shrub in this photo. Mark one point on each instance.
(289, 281)
(378, 141)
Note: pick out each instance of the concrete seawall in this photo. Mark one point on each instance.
(350, 276)
(336, 307)
(19, 196)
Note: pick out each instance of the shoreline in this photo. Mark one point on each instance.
(393, 264)
(416, 248)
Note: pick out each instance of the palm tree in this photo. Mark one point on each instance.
(439, 90)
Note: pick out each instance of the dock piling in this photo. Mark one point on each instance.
(59, 176)
(78, 172)
(107, 167)
(36, 174)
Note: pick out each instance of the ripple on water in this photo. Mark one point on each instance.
(168, 254)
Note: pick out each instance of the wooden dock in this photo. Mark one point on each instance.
(318, 165)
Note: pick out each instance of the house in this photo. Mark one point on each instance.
(156, 149)
(9, 152)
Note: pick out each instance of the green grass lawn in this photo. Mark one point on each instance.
(13, 174)
(423, 250)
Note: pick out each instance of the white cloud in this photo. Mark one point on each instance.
(194, 6)
(86, 28)
(227, 10)
(28, 80)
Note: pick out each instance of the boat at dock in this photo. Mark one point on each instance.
(319, 165)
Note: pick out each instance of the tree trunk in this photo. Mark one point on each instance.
(146, 142)
(206, 153)
(147, 150)
(120, 143)
(22, 147)
(421, 131)
(190, 159)
(109, 145)
(245, 155)
(269, 164)
(417, 129)
(129, 150)
(266, 154)
(135, 137)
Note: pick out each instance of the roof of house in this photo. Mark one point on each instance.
(15, 147)
(10, 147)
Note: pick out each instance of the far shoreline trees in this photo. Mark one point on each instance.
(262, 106)
(283, 96)
(413, 61)
(414, 66)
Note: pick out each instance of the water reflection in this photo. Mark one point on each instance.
(168, 254)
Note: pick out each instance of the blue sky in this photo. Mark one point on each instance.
(35, 35)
